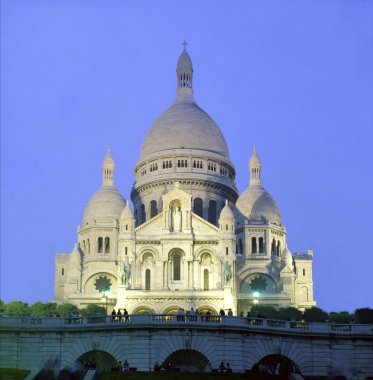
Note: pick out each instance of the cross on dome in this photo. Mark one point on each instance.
(185, 44)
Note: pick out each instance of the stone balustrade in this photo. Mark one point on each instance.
(197, 321)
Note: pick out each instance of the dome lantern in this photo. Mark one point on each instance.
(255, 166)
(184, 72)
(108, 170)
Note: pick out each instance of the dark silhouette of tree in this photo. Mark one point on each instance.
(364, 315)
(315, 314)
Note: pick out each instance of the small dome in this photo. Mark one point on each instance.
(127, 212)
(76, 256)
(105, 206)
(184, 61)
(257, 205)
(287, 258)
(227, 212)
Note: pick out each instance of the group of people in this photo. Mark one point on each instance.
(229, 313)
(224, 368)
(166, 366)
(119, 316)
(90, 365)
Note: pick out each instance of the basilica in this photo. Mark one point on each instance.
(188, 240)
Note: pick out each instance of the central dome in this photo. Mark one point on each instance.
(184, 124)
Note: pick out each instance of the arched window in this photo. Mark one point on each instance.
(142, 214)
(153, 209)
(226, 251)
(177, 267)
(206, 279)
(212, 212)
(240, 246)
(99, 245)
(261, 245)
(273, 247)
(88, 246)
(84, 246)
(147, 279)
(253, 245)
(107, 245)
(198, 207)
(278, 248)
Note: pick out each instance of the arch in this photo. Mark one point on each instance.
(99, 245)
(278, 248)
(146, 251)
(143, 310)
(153, 209)
(107, 245)
(198, 207)
(212, 212)
(203, 309)
(206, 279)
(147, 279)
(171, 309)
(261, 245)
(253, 245)
(188, 360)
(240, 246)
(104, 361)
(90, 282)
(202, 251)
(276, 364)
(176, 267)
(142, 214)
(258, 282)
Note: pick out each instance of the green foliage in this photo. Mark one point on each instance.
(315, 314)
(290, 313)
(341, 317)
(2, 306)
(93, 309)
(17, 309)
(66, 309)
(364, 315)
(39, 309)
(13, 374)
(264, 311)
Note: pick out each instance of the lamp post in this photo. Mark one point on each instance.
(256, 296)
(105, 295)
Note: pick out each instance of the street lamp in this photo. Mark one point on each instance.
(256, 295)
(105, 295)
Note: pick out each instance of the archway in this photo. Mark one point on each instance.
(104, 361)
(143, 310)
(187, 361)
(276, 365)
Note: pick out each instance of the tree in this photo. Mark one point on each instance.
(93, 309)
(290, 313)
(2, 306)
(39, 309)
(341, 317)
(264, 311)
(17, 309)
(364, 315)
(66, 309)
(315, 314)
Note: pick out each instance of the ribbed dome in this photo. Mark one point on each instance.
(184, 61)
(184, 125)
(105, 206)
(256, 204)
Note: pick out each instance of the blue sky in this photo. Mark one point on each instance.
(293, 77)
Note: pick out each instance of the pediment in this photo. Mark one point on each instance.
(153, 226)
(202, 226)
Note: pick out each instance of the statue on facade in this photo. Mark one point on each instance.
(177, 219)
(175, 216)
(227, 273)
(125, 274)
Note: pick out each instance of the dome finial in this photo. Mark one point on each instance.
(108, 169)
(185, 44)
(255, 168)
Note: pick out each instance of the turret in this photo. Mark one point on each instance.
(255, 166)
(108, 170)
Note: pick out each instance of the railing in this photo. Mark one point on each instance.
(194, 319)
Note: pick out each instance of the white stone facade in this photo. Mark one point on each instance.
(192, 241)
